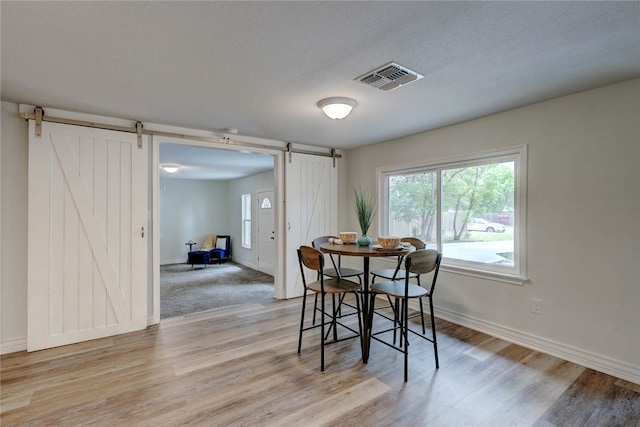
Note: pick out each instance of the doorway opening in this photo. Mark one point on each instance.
(203, 198)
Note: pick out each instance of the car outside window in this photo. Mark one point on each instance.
(479, 224)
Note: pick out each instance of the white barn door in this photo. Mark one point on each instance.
(87, 245)
(311, 201)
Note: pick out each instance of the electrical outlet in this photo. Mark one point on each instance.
(536, 306)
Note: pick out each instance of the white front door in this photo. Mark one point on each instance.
(87, 244)
(311, 205)
(266, 231)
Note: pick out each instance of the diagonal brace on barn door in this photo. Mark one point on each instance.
(90, 225)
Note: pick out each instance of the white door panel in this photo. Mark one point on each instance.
(87, 243)
(311, 209)
(266, 231)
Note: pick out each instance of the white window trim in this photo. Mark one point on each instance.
(517, 153)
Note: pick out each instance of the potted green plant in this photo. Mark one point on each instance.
(365, 205)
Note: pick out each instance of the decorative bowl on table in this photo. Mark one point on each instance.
(348, 236)
(388, 242)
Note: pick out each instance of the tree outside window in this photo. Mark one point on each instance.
(468, 210)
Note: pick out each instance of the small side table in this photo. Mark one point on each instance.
(190, 243)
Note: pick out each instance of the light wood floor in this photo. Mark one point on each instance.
(239, 367)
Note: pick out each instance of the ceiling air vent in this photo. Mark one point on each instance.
(389, 76)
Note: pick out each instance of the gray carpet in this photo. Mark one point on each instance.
(184, 291)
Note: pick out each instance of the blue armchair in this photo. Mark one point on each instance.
(215, 248)
(222, 249)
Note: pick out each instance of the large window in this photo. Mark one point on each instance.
(471, 209)
(246, 221)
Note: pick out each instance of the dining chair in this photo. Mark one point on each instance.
(336, 271)
(420, 262)
(312, 259)
(398, 273)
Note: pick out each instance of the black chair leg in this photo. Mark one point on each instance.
(322, 316)
(358, 313)
(336, 310)
(304, 303)
(433, 332)
(315, 308)
(397, 319)
(340, 301)
(424, 331)
(372, 306)
(394, 309)
(405, 332)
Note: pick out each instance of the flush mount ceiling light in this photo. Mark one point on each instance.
(170, 168)
(337, 108)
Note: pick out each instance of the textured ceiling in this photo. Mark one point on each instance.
(261, 67)
(211, 164)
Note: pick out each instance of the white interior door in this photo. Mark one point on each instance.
(266, 231)
(87, 268)
(311, 209)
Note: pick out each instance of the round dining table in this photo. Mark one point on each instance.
(366, 253)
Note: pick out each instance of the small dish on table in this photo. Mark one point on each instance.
(377, 247)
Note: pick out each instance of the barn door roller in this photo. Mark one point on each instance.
(39, 114)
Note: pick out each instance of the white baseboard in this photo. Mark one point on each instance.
(607, 365)
(13, 345)
(245, 263)
(151, 320)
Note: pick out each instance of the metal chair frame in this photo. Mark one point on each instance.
(399, 274)
(313, 259)
(419, 262)
(336, 272)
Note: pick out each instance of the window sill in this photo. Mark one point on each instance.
(472, 272)
(489, 275)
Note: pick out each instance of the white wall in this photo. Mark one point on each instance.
(249, 185)
(193, 209)
(190, 210)
(13, 203)
(583, 224)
